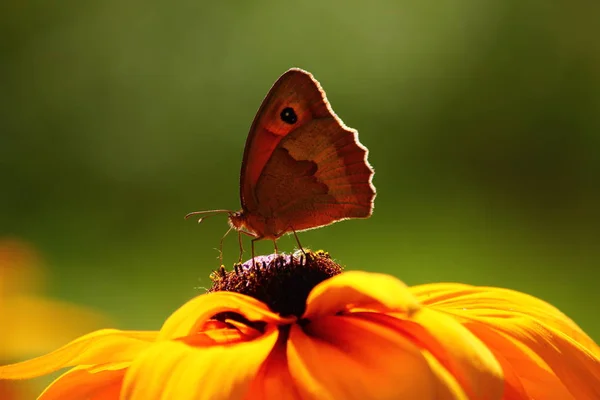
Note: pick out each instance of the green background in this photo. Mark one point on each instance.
(482, 119)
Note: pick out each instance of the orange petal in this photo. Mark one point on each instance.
(274, 380)
(220, 333)
(359, 289)
(173, 370)
(340, 357)
(525, 374)
(460, 352)
(190, 317)
(573, 364)
(215, 337)
(95, 383)
(104, 346)
(244, 329)
(447, 387)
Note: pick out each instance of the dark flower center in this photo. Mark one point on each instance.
(282, 282)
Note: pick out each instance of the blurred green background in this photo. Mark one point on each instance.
(482, 119)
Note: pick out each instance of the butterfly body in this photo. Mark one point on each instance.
(303, 168)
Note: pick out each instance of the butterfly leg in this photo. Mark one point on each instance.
(241, 246)
(221, 245)
(252, 242)
(275, 245)
(298, 241)
(240, 231)
(241, 243)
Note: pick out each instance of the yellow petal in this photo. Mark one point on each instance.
(436, 293)
(172, 370)
(104, 346)
(33, 325)
(460, 352)
(341, 357)
(90, 383)
(359, 289)
(190, 317)
(492, 301)
(540, 339)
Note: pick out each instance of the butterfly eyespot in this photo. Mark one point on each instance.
(288, 115)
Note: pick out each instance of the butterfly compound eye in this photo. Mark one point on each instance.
(288, 115)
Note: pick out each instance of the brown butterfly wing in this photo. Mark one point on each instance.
(303, 172)
(293, 88)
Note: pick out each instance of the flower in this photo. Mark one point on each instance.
(30, 322)
(298, 328)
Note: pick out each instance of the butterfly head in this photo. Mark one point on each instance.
(237, 220)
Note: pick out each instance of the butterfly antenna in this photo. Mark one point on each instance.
(208, 213)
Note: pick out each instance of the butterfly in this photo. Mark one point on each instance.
(303, 168)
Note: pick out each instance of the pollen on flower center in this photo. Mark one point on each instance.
(282, 282)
